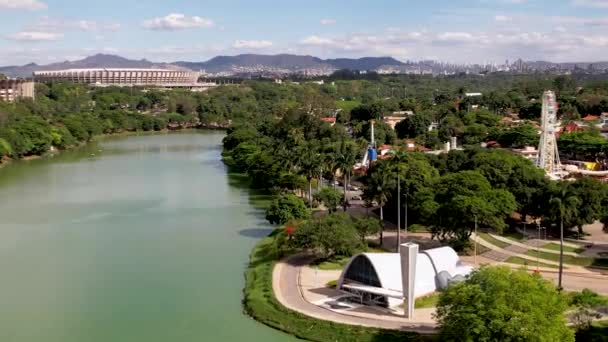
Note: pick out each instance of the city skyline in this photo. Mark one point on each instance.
(471, 31)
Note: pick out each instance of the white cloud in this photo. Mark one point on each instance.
(316, 40)
(30, 5)
(502, 18)
(50, 24)
(327, 22)
(251, 44)
(177, 21)
(35, 36)
(455, 37)
(591, 3)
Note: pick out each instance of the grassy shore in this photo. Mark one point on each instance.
(261, 304)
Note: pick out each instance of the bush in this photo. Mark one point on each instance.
(286, 208)
(5, 148)
(331, 198)
(586, 298)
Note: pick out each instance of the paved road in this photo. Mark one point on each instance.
(285, 283)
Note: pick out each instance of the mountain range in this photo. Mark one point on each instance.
(283, 63)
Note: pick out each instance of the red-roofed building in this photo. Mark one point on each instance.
(573, 127)
(411, 146)
(331, 121)
(492, 144)
(590, 118)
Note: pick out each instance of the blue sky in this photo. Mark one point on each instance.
(462, 31)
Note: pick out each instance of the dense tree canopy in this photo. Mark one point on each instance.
(286, 208)
(498, 304)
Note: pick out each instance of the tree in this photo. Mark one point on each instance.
(498, 304)
(383, 133)
(414, 126)
(518, 137)
(285, 208)
(330, 197)
(5, 148)
(380, 183)
(346, 158)
(330, 235)
(463, 196)
(563, 202)
(531, 112)
(367, 226)
(309, 163)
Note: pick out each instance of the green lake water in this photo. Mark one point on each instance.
(141, 238)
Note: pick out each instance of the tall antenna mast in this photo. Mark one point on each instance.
(548, 155)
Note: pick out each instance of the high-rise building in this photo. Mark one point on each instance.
(11, 89)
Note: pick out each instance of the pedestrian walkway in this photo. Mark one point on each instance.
(495, 256)
(517, 249)
(523, 247)
(509, 253)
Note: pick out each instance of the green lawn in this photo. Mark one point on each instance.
(347, 106)
(568, 259)
(488, 238)
(333, 264)
(470, 251)
(514, 235)
(428, 301)
(555, 247)
(528, 263)
(261, 304)
(601, 324)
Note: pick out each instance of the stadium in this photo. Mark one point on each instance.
(121, 77)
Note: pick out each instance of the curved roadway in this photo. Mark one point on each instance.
(286, 286)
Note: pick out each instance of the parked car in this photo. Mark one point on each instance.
(351, 187)
(356, 198)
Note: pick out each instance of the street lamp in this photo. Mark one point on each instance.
(538, 246)
(398, 212)
(561, 249)
(475, 243)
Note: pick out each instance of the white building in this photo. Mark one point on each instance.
(122, 77)
(376, 278)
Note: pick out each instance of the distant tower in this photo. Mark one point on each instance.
(548, 155)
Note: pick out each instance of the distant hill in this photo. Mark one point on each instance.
(282, 63)
(288, 62)
(248, 64)
(365, 63)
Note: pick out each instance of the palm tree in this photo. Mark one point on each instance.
(309, 160)
(564, 203)
(380, 184)
(345, 160)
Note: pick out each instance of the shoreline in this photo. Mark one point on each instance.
(6, 161)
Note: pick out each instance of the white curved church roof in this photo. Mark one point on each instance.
(428, 264)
